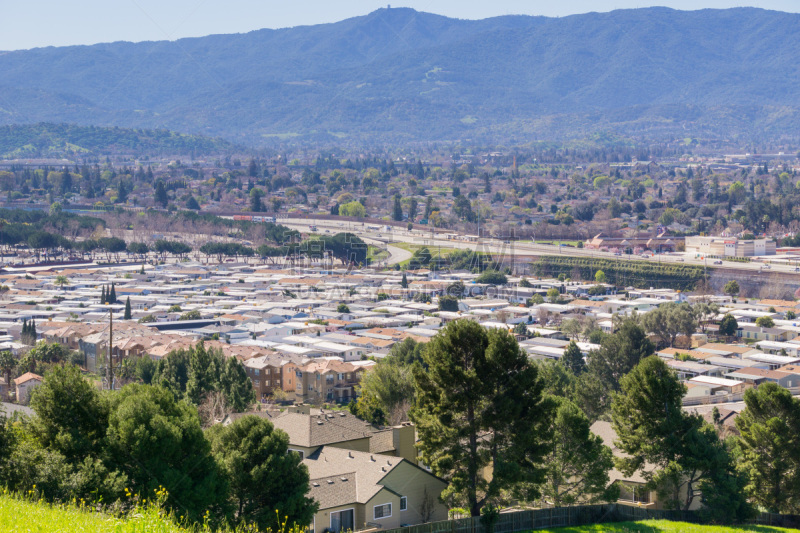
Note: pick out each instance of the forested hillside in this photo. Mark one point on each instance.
(43, 139)
(401, 74)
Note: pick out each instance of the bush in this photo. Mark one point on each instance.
(448, 303)
(492, 277)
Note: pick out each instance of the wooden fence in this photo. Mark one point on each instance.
(518, 521)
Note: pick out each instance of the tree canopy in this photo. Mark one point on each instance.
(268, 483)
(480, 402)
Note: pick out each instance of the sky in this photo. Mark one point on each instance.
(35, 23)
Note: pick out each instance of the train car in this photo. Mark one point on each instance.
(242, 217)
(258, 219)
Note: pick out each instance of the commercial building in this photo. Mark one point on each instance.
(729, 246)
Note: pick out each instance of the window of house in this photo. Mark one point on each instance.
(266, 382)
(382, 511)
(269, 371)
(256, 372)
(340, 377)
(256, 382)
(403, 503)
(310, 387)
(329, 377)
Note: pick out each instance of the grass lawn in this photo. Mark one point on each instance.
(435, 250)
(376, 254)
(662, 526)
(19, 515)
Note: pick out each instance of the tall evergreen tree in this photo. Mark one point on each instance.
(264, 477)
(112, 296)
(397, 209)
(480, 403)
(160, 194)
(676, 452)
(404, 281)
(577, 461)
(770, 445)
(128, 315)
(103, 296)
(236, 386)
(573, 359)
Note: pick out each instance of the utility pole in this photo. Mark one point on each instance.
(110, 362)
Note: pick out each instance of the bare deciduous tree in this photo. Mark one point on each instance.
(213, 409)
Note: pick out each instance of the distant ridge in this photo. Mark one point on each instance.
(64, 140)
(398, 74)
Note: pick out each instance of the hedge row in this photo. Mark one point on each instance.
(623, 273)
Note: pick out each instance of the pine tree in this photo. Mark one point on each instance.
(160, 194)
(112, 296)
(573, 359)
(103, 296)
(32, 331)
(128, 314)
(404, 281)
(397, 210)
(488, 417)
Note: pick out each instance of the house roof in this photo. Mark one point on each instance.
(327, 428)
(334, 491)
(367, 470)
(605, 431)
(27, 376)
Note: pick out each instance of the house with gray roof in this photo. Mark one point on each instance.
(358, 490)
(309, 431)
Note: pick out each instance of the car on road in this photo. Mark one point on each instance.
(718, 262)
(766, 267)
(680, 259)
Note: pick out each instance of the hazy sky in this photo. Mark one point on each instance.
(33, 23)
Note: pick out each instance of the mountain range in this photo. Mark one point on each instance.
(401, 75)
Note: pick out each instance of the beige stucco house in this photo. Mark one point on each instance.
(357, 490)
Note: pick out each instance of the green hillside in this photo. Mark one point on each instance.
(63, 140)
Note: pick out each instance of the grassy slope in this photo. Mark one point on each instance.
(23, 516)
(19, 515)
(663, 526)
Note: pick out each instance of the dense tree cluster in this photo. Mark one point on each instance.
(105, 446)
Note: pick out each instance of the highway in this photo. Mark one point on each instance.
(510, 248)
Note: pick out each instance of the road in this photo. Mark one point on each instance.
(498, 247)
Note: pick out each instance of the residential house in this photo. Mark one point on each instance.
(329, 380)
(358, 490)
(25, 384)
(633, 489)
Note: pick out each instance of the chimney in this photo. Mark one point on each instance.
(404, 437)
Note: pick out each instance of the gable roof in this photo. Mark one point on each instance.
(366, 469)
(27, 376)
(318, 430)
(605, 431)
(334, 491)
